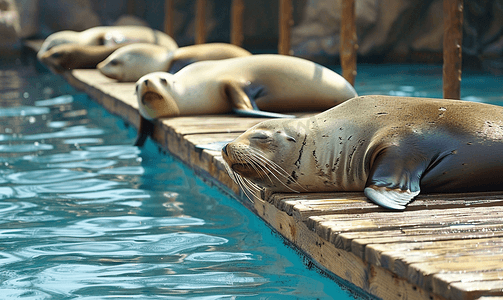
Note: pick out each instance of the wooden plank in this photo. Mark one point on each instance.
(285, 24)
(237, 10)
(305, 205)
(200, 22)
(169, 27)
(349, 38)
(453, 37)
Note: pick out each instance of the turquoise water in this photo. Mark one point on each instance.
(86, 215)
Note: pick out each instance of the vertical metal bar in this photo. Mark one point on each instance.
(168, 18)
(285, 22)
(200, 22)
(453, 38)
(237, 22)
(349, 41)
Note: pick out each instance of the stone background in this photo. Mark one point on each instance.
(388, 30)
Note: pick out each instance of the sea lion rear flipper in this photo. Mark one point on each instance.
(243, 105)
(395, 176)
(145, 129)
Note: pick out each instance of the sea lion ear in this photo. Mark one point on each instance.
(395, 176)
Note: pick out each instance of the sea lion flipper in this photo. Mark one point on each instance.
(237, 96)
(243, 105)
(145, 129)
(259, 114)
(395, 176)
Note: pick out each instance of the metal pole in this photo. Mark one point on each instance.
(168, 18)
(285, 22)
(237, 22)
(348, 41)
(453, 37)
(200, 22)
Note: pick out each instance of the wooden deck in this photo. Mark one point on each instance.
(442, 247)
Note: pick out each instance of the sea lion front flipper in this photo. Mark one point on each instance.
(395, 176)
(243, 105)
(145, 129)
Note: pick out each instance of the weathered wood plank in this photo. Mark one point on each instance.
(304, 205)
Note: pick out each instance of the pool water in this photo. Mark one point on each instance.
(86, 215)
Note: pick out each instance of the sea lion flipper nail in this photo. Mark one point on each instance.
(389, 198)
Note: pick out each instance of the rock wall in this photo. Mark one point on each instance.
(398, 29)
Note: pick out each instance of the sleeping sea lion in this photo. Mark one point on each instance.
(244, 85)
(74, 56)
(109, 36)
(389, 147)
(133, 61)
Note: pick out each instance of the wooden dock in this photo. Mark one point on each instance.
(446, 246)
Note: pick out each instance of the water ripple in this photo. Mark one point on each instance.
(74, 186)
(25, 148)
(65, 99)
(100, 226)
(130, 170)
(21, 111)
(68, 132)
(218, 256)
(85, 155)
(109, 196)
(68, 279)
(46, 176)
(163, 244)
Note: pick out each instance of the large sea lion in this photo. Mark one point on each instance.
(74, 56)
(108, 36)
(389, 147)
(133, 61)
(244, 85)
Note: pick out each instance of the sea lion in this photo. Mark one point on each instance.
(389, 147)
(74, 56)
(133, 61)
(244, 85)
(109, 36)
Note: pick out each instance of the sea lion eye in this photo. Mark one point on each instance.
(164, 81)
(56, 54)
(290, 139)
(260, 135)
(114, 62)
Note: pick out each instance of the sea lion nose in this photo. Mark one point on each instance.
(224, 149)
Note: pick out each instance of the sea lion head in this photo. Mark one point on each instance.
(56, 39)
(131, 62)
(155, 93)
(59, 58)
(266, 155)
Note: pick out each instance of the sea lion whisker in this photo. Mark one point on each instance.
(276, 169)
